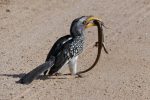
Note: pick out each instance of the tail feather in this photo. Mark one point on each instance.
(29, 77)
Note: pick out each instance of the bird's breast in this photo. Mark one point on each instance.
(76, 47)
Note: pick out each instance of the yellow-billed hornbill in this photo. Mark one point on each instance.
(65, 50)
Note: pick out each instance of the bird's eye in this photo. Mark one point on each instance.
(83, 22)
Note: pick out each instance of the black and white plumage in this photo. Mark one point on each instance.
(65, 50)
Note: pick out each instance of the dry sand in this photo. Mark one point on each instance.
(28, 29)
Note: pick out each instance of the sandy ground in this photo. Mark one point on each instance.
(28, 29)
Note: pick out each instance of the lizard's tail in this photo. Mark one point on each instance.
(29, 77)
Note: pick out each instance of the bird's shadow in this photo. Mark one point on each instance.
(40, 77)
(13, 75)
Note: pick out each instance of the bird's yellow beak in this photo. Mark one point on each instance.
(90, 22)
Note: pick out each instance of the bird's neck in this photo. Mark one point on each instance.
(78, 37)
(77, 34)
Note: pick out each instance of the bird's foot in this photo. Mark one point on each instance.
(79, 76)
(58, 74)
(73, 76)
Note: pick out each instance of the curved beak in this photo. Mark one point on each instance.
(90, 21)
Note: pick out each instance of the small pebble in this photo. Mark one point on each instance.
(7, 10)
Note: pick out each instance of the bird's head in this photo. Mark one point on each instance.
(80, 24)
